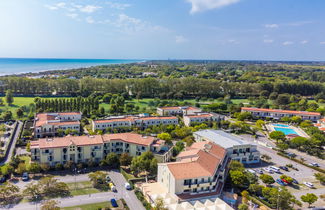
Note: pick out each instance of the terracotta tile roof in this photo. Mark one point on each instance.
(200, 160)
(127, 119)
(66, 141)
(322, 120)
(158, 118)
(192, 108)
(65, 123)
(132, 138)
(280, 111)
(170, 107)
(322, 129)
(69, 113)
(200, 116)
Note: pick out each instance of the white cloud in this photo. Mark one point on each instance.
(300, 23)
(88, 8)
(90, 20)
(322, 43)
(59, 5)
(233, 41)
(115, 5)
(271, 25)
(203, 5)
(304, 42)
(72, 15)
(287, 43)
(268, 40)
(180, 39)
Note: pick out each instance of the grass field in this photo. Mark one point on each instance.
(82, 188)
(89, 206)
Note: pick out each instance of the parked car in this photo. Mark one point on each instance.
(314, 164)
(114, 203)
(295, 181)
(275, 169)
(268, 170)
(3, 179)
(308, 184)
(292, 155)
(260, 171)
(285, 181)
(284, 168)
(280, 182)
(251, 171)
(108, 179)
(25, 177)
(127, 186)
(112, 187)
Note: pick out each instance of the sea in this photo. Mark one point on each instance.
(10, 66)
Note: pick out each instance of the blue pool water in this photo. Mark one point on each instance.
(286, 131)
(281, 125)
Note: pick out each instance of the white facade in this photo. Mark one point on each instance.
(237, 148)
(202, 117)
(178, 110)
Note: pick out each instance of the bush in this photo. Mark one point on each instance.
(58, 166)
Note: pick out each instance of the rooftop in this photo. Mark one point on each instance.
(221, 138)
(280, 111)
(200, 160)
(44, 118)
(58, 142)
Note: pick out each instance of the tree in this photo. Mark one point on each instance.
(267, 179)
(9, 97)
(243, 207)
(112, 160)
(309, 198)
(33, 191)
(236, 166)
(245, 195)
(238, 178)
(7, 115)
(160, 204)
(164, 136)
(20, 113)
(51, 187)
(283, 146)
(8, 193)
(260, 124)
(145, 162)
(125, 159)
(21, 168)
(50, 205)
(277, 135)
(320, 177)
(98, 180)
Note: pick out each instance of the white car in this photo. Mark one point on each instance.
(127, 186)
(268, 170)
(308, 184)
(251, 171)
(314, 164)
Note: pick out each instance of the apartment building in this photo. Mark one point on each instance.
(177, 110)
(84, 148)
(278, 113)
(237, 149)
(200, 170)
(202, 117)
(47, 124)
(132, 121)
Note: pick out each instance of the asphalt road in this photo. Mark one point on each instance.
(117, 178)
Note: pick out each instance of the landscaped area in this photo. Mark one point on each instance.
(82, 188)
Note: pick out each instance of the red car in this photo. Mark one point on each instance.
(285, 181)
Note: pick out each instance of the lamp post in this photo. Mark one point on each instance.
(277, 203)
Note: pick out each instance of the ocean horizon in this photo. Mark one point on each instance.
(11, 66)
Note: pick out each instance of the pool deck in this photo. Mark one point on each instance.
(299, 131)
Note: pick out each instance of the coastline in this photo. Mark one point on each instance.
(20, 68)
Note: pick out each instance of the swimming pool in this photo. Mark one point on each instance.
(281, 125)
(286, 131)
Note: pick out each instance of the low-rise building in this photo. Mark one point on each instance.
(321, 124)
(278, 113)
(177, 110)
(47, 124)
(81, 149)
(200, 170)
(132, 121)
(202, 117)
(237, 148)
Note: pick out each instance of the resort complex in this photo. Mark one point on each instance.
(178, 110)
(278, 113)
(82, 149)
(237, 149)
(201, 118)
(132, 121)
(48, 124)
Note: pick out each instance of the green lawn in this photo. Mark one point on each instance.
(82, 188)
(89, 206)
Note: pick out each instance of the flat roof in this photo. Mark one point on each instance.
(222, 138)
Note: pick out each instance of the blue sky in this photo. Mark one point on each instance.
(162, 29)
